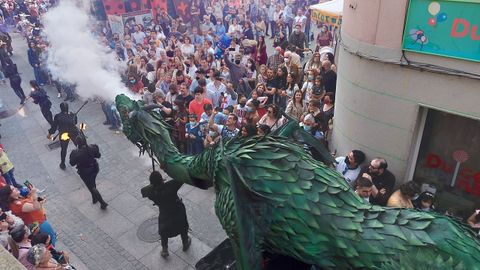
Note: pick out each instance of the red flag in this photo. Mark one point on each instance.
(158, 4)
(114, 7)
(183, 9)
(146, 4)
(133, 5)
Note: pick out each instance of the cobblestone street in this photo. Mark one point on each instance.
(98, 239)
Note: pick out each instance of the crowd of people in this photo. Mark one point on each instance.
(375, 184)
(213, 78)
(207, 88)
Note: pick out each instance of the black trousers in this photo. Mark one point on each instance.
(89, 177)
(15, 83)
(164, 239)
(64, 147)
(47, 114)
(63, 151)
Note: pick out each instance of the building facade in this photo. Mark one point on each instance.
(417, 107)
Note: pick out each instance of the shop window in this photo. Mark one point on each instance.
(449, 161)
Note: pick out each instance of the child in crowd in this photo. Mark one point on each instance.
(194, 135)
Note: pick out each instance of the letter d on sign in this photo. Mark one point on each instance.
(456, 23)
(433, 161)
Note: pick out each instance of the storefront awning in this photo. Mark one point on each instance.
(328, 12)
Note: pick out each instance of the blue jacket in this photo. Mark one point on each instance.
(220, 30)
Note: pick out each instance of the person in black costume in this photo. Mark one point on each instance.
(172, 219)
(11, 72)
(41, 98)
(85, 158)
(65, 122)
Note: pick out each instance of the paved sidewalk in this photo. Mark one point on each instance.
(99, 239)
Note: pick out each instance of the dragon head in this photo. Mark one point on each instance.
(127, 107)
(145, 127)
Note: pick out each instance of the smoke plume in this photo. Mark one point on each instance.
(77, 57)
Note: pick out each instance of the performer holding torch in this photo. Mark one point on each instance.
(65, 122)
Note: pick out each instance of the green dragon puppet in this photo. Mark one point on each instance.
(271, 195)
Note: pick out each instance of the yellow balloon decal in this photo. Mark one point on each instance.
(434, 8)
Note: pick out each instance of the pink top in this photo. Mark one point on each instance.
(22, 256)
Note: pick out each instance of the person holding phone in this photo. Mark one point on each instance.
(30, 208)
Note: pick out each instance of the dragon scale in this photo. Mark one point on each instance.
(273, 196)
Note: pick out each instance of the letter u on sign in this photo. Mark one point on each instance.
(456, 24)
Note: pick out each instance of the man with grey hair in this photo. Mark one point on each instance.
(329, 77)
(293, 57)
(276, 59)
(310, 126)
(206, 26)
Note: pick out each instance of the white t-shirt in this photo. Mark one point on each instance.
(349, 174)
(302, 20)
(138, 37)
(213, 93)
(366, 200)
(226, 133)
(187, 50)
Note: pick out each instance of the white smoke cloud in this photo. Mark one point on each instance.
(76, 56)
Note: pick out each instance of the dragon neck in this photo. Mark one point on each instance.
(192, 170)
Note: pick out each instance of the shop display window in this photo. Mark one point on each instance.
(449, 161)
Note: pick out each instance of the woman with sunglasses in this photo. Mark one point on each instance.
(273, 118)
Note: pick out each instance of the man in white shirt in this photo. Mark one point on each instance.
(230, 95)
(138, 35)
(300, 19)
(271, 21)
(190, 68)
(349, 166)
(227, 131)
(215, 89)
(288, 17)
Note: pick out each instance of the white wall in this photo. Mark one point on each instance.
(377, 105)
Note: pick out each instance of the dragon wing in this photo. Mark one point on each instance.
(317, 219)
(296, 191)
(250, 230)
(291, 129)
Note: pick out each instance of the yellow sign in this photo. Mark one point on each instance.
(327, 18)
